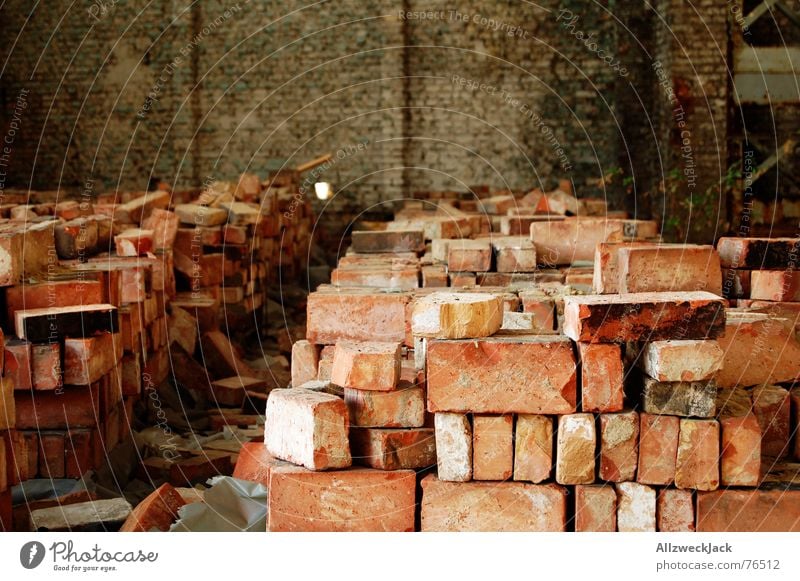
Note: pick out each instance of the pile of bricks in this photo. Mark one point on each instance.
(634, 399)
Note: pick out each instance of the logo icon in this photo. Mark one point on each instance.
(31, 554)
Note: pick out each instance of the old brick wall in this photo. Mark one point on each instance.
(510, 94)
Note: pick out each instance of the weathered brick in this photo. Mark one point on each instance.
(675, 510)
(758, 253)
(658, 448)
(533, 448)
(366, 365)
(514, 254)
(469, 255)
(636, 508)
(388, 241)
(697, 464)
(775, 285)
(619, 446)
(523, 374)
(492, 447)
(772, 408)
(643, 316)
(46, 365)
(679, 398)
(492, 506)
(602, 377)
(669, 269)
(307, 428)
(453, 447)
(446, 315)
(748, 511)
(575, 456)
(400, 408)
(570, 240)
(393, 449)
(357, 315)
(595, 509)
(740, 463)
(681, 360)
(305, 360)
(156, 512)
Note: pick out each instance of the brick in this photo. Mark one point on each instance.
(157, 512)
(255, 463)
(356, 315)
(469, 255)
(533, 448)
(434, 276)
(492, 447)
(366, 365)
(139, 208)
(775, 285)
(198, 469)
(681, 360)
(772, 408)
(8, 415)
(4, 472)
(222, 358)
(636, 508)
(388, 241)
(575, 456)
(679, 398)
(740, 464)
(605, 275)
(406, 278)
(453, 447)
(457, 315)
(87, 360)
(595, 509)
(46, 365)
(164, 226)
(658, 448)
(697, 464)
(305, 360)
(619, 446)
(541, 307)
(78, 453)
(748, 511)
(39, 325)
(675, 511)
(401, 408)
(51, 454)
(241, 213)
(795, 397)
(196, 215)
(463, 279)
(514, 254)
(571, 240)
(133, 242)
(669, 269)
(355, 500)
(602, 374)
(757, 350)
(492, 506)
(182, 328)
(307, 428)
(637, 316)
(393, 449)
(76, 238)
(758, 253)
(523, 374)
(62, 293)
(17, 363)
(735, 283)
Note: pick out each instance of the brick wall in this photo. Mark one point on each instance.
(118, 93)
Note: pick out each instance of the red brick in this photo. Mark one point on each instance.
(636, 508)
(758, 253)
(434, 276)
(8, 413)
(530, 374)
(658, 448)
(78, 453)
(602, 376)
(541, 307)
(514, 254)
(357, 315)
(307, 428)
(571, 240)
(697, 464)
(401, 408)
(533, 452)
(748, 511)
(681, 360)
(772, 408)
(62, 293)
(675, 511)
(795, 396)
(638, 316)
(388, 241)
(492, 506)
(453, 447)
(740, 464)
(17, 364)
(595, 509)
(255, 463)
(46, 365)
(492, 447)
(448, 315)
(222, 358)
(87, 360)
(575, 456)
(366, 365)
(51, 455)
(133, 242)
(393, 449)
(356, 500)
(469, 255)
(605, 278)
(757, 350)
(463, 279)
(775, 285)
(156, 512)
(76, 407)
(619, 446)
(164, 225)
(669, 269)
(406, 278)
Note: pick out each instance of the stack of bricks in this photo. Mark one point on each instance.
(8, 474)
(635, 404)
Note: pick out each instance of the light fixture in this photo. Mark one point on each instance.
(323, 190)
